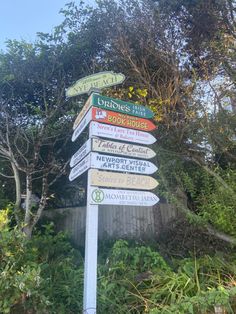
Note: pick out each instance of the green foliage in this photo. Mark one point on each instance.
(21, 281)
(45, 275)
(214, 202)
(41, 275)
(136, 279)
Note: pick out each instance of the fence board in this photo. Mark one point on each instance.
(115, 221)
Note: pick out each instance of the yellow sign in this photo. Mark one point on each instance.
(95, 82)
(122, 180)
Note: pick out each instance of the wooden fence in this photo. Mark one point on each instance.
(115, 221)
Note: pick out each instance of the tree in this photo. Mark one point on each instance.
(34, 126)
(166, 50)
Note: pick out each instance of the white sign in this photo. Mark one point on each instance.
(80, 168)
(80, 128)
(81, 153)
(82, 113)
(119, 133)
(121, 164)
(122, 197)
(124, 149)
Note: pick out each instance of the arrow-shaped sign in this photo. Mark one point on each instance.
(122, 180)
(114, 118)
(108, 162)
(111, 147)
(112, 104)
(120, 134)
(124, 149)
(122, 197)
(80, 168)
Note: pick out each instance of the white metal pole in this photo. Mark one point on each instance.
(90, 264)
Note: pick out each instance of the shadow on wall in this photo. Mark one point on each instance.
(115, 222)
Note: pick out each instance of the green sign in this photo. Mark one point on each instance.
(120, 106)
(95, 82)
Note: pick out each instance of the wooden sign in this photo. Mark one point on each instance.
(112, 104)
(122, 180)
(80, 168)
(100, 196)
(120, 134)
(121, 164)
(95, 81)
(124, 149)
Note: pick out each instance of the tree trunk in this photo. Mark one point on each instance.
(18, 192)
(28, 231)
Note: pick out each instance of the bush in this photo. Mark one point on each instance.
(43, 275)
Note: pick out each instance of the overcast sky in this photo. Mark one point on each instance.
(22, 19)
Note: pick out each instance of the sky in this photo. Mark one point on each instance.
(22, 19)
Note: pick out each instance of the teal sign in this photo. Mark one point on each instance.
(120, 106)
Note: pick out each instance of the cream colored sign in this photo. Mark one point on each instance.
(95, 82)
(122, 180)
(124, 149)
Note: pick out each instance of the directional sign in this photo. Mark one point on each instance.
(80, 168)
(121, 164)
(122, 134)
(115, 118)
(80, 128)
(124, 120)
(118, 148)
(122, 197)
(122, 180)
(112, 104)
(95, 81)
(111, 147)
(81, 153)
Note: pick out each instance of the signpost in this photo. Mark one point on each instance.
(122, 197)
(122, 180)
(95, 81)
(120, 134)
(112, 104)
(123, 122)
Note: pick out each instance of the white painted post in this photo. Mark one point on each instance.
(90, 264)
